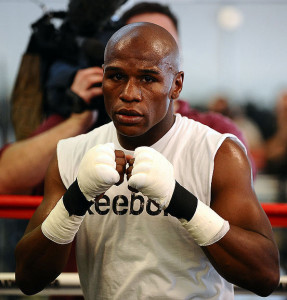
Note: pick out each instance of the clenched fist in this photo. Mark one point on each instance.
(152, 174)
(100, 168)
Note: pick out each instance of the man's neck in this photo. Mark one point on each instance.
(147, 139)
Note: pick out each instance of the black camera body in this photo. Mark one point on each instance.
(78, 43)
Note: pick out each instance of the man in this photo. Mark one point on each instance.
(181, 222)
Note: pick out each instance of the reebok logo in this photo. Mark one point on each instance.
(120, 205)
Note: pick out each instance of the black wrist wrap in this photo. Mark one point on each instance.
(75, 202)
(182, 204)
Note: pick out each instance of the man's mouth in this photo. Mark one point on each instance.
(128, 116)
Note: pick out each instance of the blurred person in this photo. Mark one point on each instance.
(195, 208)
(221, 104)
(23, 164)
(263, 117)
(253, 136)
(276, 145)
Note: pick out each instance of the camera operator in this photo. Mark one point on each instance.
(73, 102)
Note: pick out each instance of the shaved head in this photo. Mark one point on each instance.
(144, 40)
(141, 81)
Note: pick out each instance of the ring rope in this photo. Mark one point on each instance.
(69, 284)
(23, 207)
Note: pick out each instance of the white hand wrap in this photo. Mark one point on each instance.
(97, 171)
(59, 227)
(206, 227)
(153, 176)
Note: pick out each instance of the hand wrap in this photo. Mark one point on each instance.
(204, 225)
(60, 227)
(153, 176)
(97, 172)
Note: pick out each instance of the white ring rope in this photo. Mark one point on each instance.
(69, 284)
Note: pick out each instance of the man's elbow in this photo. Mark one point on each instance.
(28, 287)
(27, 280)
(268, 283)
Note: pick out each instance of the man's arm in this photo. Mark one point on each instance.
(39, 260)
(234, 232)
(247, 255)
(23, 164)
(42, 253)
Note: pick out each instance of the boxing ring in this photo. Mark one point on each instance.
(23, 207)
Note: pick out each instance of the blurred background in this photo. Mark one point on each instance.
(233, 47)
(234, 54)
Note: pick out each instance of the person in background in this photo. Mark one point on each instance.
(72, 59)
(276, 145)
(251, 132)
(161, 206)
(23, 164)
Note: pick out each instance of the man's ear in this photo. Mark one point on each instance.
(177, 85)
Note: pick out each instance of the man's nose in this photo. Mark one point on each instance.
(131, 91)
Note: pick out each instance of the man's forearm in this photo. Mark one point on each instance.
(32, 260)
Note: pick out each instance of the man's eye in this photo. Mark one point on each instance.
(148, 78)
(117, 76)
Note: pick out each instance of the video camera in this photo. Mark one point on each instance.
(77, 43)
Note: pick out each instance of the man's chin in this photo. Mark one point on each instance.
(130, 134)
(130, 131)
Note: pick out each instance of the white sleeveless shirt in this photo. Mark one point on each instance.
(128, 249)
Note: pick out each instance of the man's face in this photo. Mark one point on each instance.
(137, 87)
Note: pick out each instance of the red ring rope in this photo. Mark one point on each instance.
(18, 206)
(23, 207)
(277, 213)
